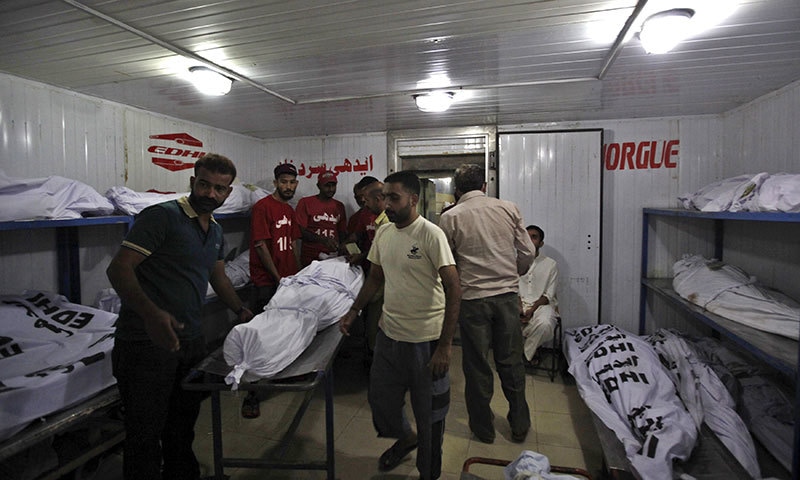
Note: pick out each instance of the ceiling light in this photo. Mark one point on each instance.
(210, 82)
(663, 30)
(434, 102)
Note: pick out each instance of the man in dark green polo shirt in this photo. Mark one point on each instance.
(161, 273)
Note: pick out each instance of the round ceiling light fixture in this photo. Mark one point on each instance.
(663, 30)
(434, 102)
(210, 82)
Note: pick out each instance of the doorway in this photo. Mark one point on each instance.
(435, 154)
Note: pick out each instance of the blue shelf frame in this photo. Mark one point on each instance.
(745, 341)
(68, 243)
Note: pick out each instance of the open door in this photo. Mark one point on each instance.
(555, 178)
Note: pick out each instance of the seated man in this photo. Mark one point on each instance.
(537, 292)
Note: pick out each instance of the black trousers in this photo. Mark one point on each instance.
(159, 414)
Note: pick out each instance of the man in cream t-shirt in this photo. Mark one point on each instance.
(412, 259)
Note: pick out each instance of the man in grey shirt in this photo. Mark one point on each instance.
(492, 249)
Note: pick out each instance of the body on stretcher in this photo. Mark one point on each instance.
(306, 373)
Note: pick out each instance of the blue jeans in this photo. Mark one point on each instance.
(493, 322)
(159, 414)
(398, 367)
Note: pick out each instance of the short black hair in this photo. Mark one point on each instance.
(216, 163)
(469, 177)
(364, 182)
(407, 178)
(538, 229)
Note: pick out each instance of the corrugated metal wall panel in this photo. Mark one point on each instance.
(762, 137)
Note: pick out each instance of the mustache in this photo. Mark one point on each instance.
(204, 204)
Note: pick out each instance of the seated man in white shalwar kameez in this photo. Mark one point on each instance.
(537, 292)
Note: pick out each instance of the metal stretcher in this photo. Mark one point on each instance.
(466, 475)
(310, 370)
(710, 459)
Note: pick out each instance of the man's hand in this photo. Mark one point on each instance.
(440, 361)
(525, 316)
(331, 244)
(346, 321)
(162, 330)
(356, 258)
(245, 315)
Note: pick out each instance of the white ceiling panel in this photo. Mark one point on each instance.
(352, 66)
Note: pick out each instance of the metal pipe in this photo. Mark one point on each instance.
(616, 48)
(449, 89)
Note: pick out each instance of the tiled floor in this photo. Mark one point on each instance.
(561, 430)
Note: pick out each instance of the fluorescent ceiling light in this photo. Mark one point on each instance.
(210, 82)
(663, 30)
(434, 102)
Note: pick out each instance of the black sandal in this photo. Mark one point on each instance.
(394, 455)
(250, 406)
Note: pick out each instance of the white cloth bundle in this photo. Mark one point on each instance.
(305, 303)
(237, 270)
(779, 193)
(705, 396)
(130, 202)
(762, 192)
(728, 291)
(53, 354)
(621, 379)
(765, 407)
(49, 198)
(531, 465)
(725, 195)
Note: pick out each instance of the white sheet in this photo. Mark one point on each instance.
(705, 396)
(49, 198)
(778, 193)
(728, 291)
(725, 195)
(761, 192)
(237, 270)
(621, 379)
(130, 202)
(765, 408)
(304, 304)
(53, 354)
(531, 465)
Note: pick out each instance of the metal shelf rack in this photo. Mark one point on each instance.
(778, 352)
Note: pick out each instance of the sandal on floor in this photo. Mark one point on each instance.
(394, 455)
(250, 407)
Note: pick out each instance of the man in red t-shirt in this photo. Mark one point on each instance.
(359, 198)
(274, 249)
(361, 222)
(274, 235)
(322, 220)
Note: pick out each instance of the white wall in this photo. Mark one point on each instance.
(348, 155)
(762, 136)
(50, 131)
